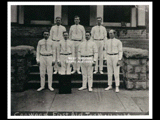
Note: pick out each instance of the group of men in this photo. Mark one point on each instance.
(79, 49)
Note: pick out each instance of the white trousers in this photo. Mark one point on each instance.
(56, 44)
(100, 45)
(113, 68)
(46, 64)
(87, 71)
(65, 65)
(76, 64)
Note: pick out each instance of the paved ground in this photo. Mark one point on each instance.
(82, 101)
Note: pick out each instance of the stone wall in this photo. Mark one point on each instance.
(21, 59)
(35, 31)
(135, 68)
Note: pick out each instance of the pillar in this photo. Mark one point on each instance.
(100, 11)
(21, 15)
(57, 11)
(133, 17)
(13, 13)
(141, 15)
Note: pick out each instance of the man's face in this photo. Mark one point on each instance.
(58, 21)
(65, 35)
(99, 21)
(87, 36)
(111, 34)
(46, 35)
(76, 20)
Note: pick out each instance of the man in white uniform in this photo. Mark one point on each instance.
(77, 35)
(113, 55)
(99, 35)
(46, 59)
(66, 53)
(88, 53)
(56, 34)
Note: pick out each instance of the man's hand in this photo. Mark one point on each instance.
(53, 63)
(119, 62)
(59, 64)
(94, 63)
(38, 63)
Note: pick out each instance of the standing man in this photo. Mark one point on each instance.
(66, 52)
(99, 34)
(56, 34)
(46, 59)
(77, 35)
(88, 53)
(113, 55)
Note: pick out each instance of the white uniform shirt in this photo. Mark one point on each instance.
(99, 32)
(87, 48)
(77, 32)
(56, 32)
(45, 47)
(113, 46)
(66, 46)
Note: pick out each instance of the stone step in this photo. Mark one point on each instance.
(98, 76)
(74, 83)
(35, 68)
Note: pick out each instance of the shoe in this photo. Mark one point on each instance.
(117, 89)
(95, 72)
(82, 88)
(51, 89)
(40, 89)
(73, 72)
(78, 72)
(108, 88)
(55, 72)
(90, 89)
(101, 72)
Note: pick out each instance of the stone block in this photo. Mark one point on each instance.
(132, 76)
(140, 85)
(147, 84)
(134, 61)
(137, 69)
(143, 69)
(142, 76)
(143, 61)
(129, 84)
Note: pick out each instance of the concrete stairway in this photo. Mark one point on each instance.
(99, 80)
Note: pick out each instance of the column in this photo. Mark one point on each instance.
(13, 13)
(57, 11)
(141, 15)
(100, 11)
(21, 15)
(133, 17)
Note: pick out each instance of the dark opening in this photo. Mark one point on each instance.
(82, 11)
(38, 12)
(117, 13)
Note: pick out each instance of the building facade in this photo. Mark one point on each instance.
(130, 22)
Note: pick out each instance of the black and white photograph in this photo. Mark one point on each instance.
(79, 60)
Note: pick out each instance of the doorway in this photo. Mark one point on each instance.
(82, 11)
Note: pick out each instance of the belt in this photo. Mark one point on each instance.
(65, 53)
(76, 40)
(56, 40)
(112, 53)
(46, 54)
(98, 39)
(86, 55)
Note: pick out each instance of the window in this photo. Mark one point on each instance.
(117, 14)
(38, 14)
